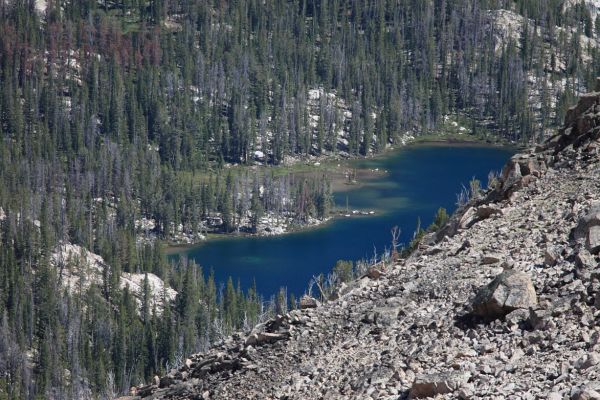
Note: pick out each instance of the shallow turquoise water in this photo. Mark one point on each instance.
(420, 179)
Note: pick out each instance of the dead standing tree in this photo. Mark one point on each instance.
(395, 244)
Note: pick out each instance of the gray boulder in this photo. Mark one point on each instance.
(468, 219)
(584, 260)
(487, 210)
(589, 391)
(308, 302)
(593, 239)
(434, 384)
(588, 229)
(551, 257)
(509, 291)
(375, 272)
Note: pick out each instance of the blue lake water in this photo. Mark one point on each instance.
(420, 179)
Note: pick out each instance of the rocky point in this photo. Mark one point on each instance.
(502, 302)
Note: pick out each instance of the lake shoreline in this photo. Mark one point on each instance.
(175, 248)
(340, 184)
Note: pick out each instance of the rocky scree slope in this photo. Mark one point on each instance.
(501, 303)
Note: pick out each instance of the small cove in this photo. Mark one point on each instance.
(419, 180)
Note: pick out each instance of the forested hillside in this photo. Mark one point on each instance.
(120, 122)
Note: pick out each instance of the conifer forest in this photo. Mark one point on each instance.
(126, 124)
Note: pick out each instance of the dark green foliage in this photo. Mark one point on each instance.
(343, 270)
(418, 235)
(441, 217)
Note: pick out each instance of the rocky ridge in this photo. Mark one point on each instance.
(503, 302)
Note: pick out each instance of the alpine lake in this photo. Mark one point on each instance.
(403, 186)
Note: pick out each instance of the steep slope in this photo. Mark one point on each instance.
(416, 331)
